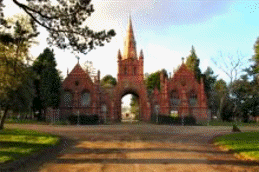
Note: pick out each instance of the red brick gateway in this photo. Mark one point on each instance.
(180, 93)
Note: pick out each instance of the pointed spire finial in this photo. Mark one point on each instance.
(130, 43)
(119, 54)
(141, 56)
(78, 58)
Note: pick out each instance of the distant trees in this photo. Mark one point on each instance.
(209, 86)
(108, 80)
(153, 80)
(134, 106)
(47, 83)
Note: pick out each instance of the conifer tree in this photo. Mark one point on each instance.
(193, 62)
(47, 84)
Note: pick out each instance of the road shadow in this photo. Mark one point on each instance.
(157, 161)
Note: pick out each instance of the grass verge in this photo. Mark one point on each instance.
(16, 143)
(245, 145)
(24, 121)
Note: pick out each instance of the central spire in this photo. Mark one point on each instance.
(130, 43)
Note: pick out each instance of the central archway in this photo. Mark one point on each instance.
(139, 90)
(130, 107)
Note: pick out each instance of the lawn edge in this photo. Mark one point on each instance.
(224, 148)
(37, 156)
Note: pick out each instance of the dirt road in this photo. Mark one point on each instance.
(144, 147)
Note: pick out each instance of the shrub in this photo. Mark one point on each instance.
(189, 120)
(165, 119)
(84, 119)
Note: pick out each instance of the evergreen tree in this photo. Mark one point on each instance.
(47, 84)
(193, 62)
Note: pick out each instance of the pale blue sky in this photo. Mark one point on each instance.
(166, 30)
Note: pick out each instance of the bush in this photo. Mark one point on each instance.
(189, 120)
(165, 119)
(84, 119)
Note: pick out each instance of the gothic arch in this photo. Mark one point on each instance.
(139, 90)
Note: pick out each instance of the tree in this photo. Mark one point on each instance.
(153, 80)
(65, 22)
(232, 66)
(209, 82)
(15, 74)
(48, 82)
(134, 106)
(108, 80)
(246, 97)
(193, 62)
(221, 95)
(255, 58)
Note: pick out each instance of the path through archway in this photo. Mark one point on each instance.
(130, 108)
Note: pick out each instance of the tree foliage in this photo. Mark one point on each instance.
(193, 62)
(134, 106)
(16, 89)
(65, 20)
(108, 80)
(209, 83)
(153, 80)
(48, 82)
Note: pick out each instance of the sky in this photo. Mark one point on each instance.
(166, 31)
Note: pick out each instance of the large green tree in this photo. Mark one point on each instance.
(15, 73)
(193, 62)
(65, 20)
(47, 83)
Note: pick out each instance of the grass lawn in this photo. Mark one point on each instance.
(16, 143)
(245, 144)
(24, 121)
(225, 123)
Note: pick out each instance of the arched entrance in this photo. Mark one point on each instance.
(138, 90)
(130, 108)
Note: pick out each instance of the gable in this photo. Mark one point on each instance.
(77, 77)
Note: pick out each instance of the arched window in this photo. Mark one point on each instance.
(85, 99)
(174, 99)
(67, 98)
(192, 98)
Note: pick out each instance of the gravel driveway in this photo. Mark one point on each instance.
(144, 147)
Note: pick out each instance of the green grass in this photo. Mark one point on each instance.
(24, 121)
(245, 144)
(16, 143)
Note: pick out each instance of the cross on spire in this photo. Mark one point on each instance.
(182, 59)
(78, 58)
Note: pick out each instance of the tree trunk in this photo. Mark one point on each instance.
(3, 117)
